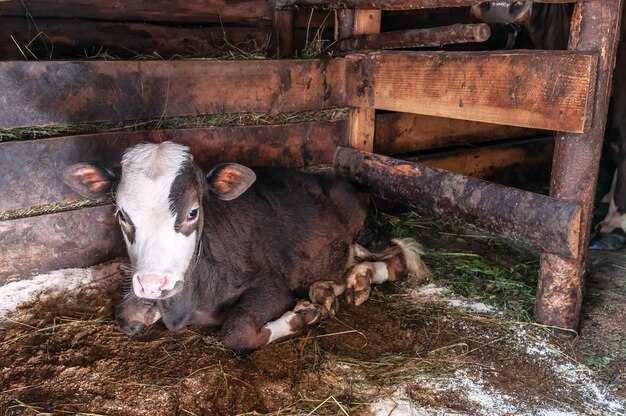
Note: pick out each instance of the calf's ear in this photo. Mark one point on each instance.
(91, 180)
(229, 180)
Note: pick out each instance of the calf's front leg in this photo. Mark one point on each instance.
(263, 315)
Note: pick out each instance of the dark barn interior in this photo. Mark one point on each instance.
(481, 147)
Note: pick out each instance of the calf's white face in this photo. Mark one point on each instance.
(159, 207)
(159, 248)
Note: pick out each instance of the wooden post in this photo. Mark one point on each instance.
(575, 166)
(361, 120)
(282, 33)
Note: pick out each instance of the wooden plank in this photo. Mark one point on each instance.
(549, 90)
(417, 38)
(66, 239)
(361, 120)
(512, 164)
(31, 170)
(510, 212)
(246, 12)
(361, 130)
(63, 38)
(384, 4)
(283, 35)
(39, 93)
(404, 133)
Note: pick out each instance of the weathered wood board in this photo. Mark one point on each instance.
(383, 4)
(512, 164)
(404, 133)
(78, 238)
(31, 170)
(545, 90)
(361, 120)
(40, 93)
(247, 12)
(61, 38)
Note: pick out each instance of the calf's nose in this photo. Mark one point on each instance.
(152, 285)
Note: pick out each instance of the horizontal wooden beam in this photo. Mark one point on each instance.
(384, 4)
(31, 170)
(417, 38)
(45, 92)
(246, 12)
(404, 133)
(549, 90)
(66, 239)
(546, 223)
(513, 164)
(63, 38)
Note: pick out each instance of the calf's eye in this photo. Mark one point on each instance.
(192, 214)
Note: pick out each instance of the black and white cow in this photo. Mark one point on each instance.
(236, 247)
(548, 27)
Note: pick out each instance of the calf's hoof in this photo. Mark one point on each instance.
(132, 328)
(607, 241)
(324, 294)
(359, 284)
(308, 312)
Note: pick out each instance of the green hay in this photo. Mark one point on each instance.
(473, 265)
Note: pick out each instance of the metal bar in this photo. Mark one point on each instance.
(541, 221)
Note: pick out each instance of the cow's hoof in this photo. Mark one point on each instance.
(607, 241)
(309, 312)
(323, 293)
(132, 328)
(358, 284)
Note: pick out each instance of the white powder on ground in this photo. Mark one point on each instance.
(432, 291)
(15, 293)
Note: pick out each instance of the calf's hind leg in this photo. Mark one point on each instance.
(263, 315)
(402, 257)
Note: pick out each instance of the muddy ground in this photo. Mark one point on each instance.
(409, 350)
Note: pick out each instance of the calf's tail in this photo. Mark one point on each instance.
(404, 256)
(412, 252)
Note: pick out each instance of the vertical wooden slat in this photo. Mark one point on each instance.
(362, 120)
(575, 166)
(282, 34)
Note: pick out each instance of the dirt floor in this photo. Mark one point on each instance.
(410, 350)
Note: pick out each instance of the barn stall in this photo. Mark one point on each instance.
(84, 81)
